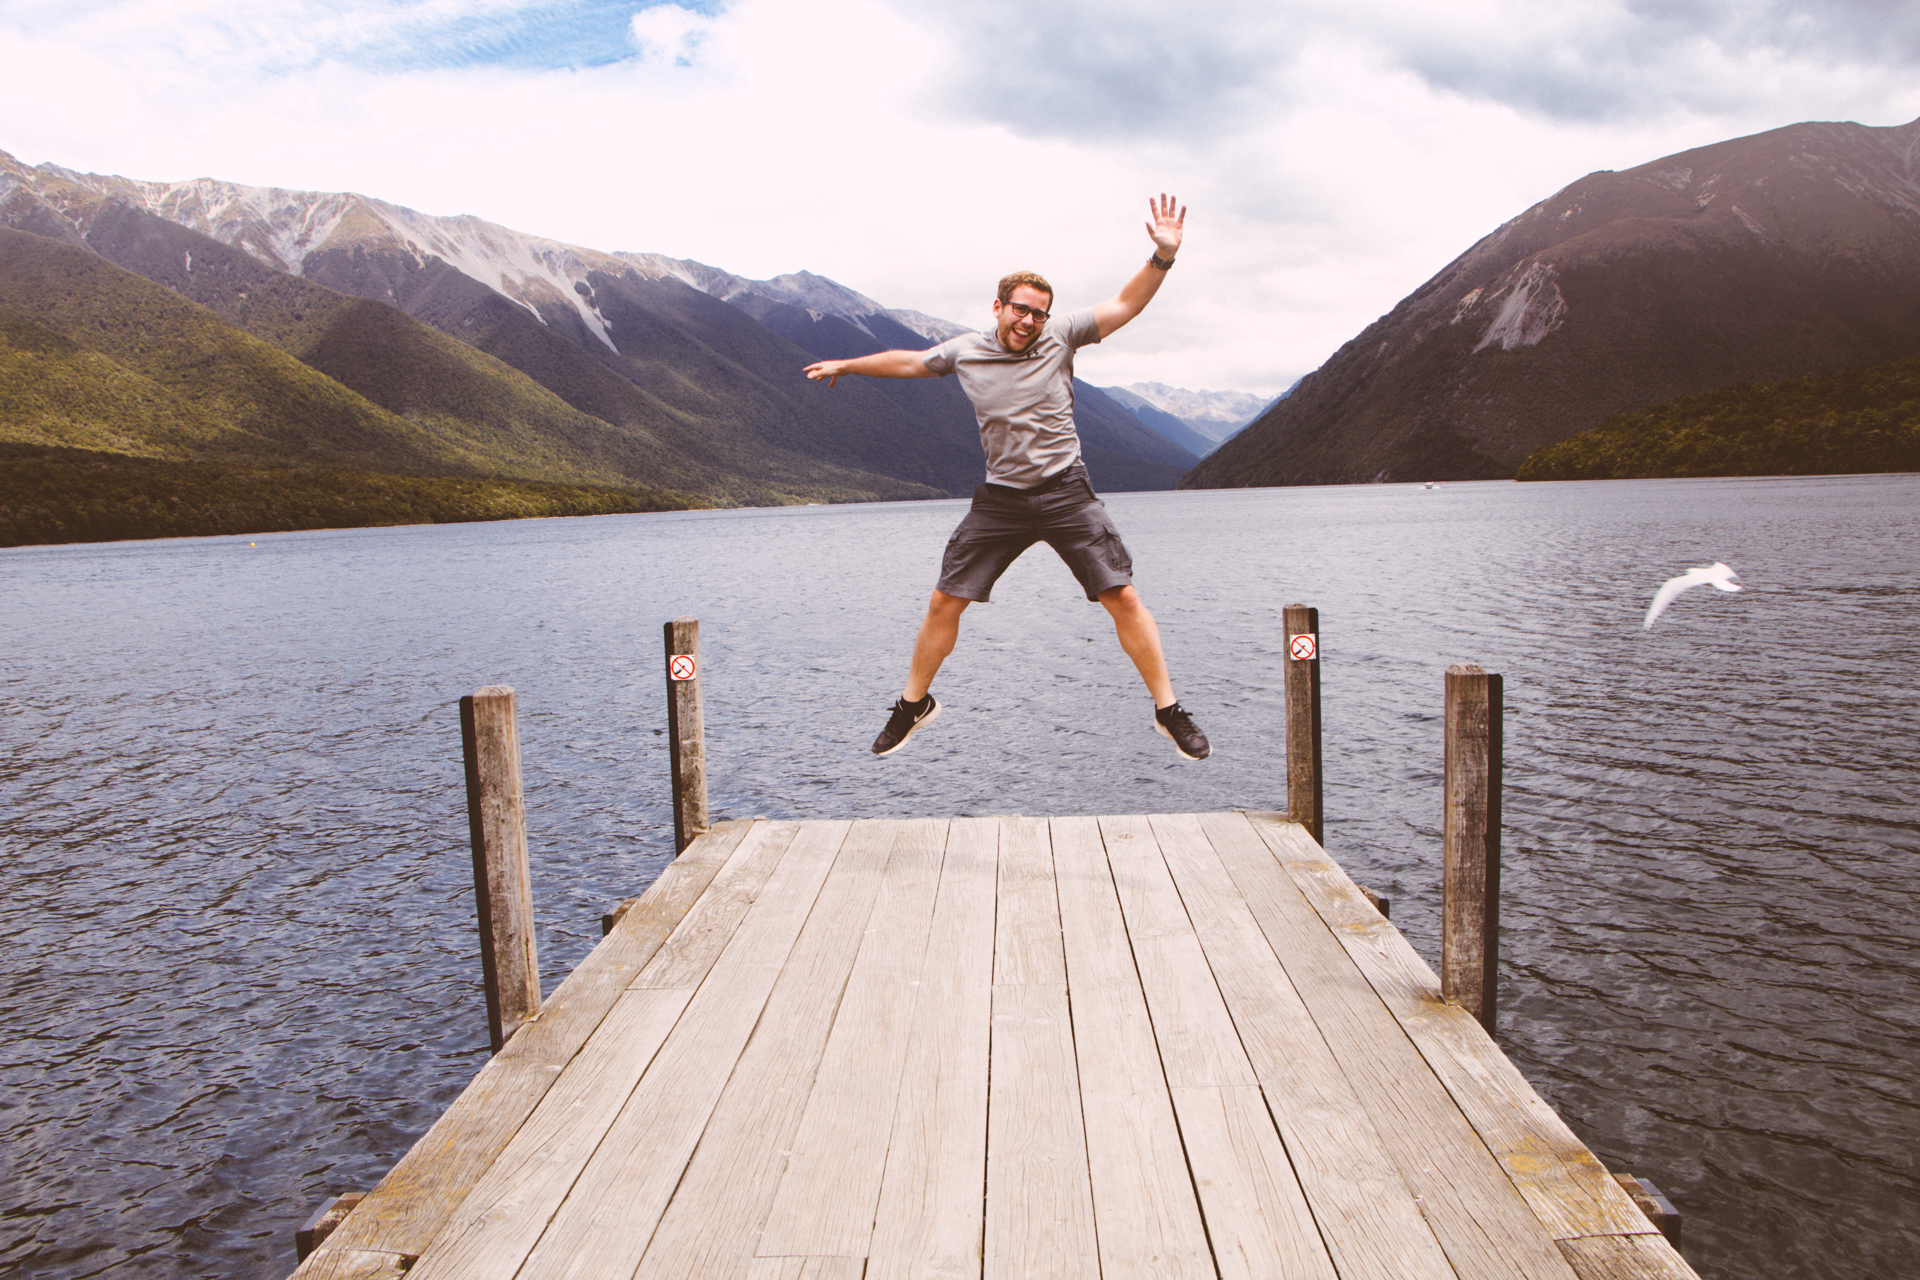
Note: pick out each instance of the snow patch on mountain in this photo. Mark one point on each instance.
(284, 228)
(932, 328)
(530, 270)
(277, 226)
(816, 295)
(1214, 414)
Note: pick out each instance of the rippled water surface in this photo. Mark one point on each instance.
(240, 969)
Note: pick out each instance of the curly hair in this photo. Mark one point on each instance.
(1032, 279)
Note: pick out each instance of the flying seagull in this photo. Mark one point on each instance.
(1716, 573)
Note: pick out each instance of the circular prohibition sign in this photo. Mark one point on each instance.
(1303, 648)
(683, 666)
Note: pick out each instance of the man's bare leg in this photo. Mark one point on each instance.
(938, 632)
(1140, 637)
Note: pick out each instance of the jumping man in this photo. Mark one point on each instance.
(1020, 380)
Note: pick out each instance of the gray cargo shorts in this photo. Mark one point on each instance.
(1063, 511)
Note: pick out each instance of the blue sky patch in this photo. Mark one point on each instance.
(588, 33)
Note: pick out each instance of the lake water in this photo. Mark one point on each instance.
(240, 968)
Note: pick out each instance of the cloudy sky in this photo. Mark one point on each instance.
(1334, 153)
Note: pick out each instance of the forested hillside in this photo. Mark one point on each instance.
(1867, 420)
(78, 495)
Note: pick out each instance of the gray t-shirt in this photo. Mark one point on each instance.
(1024, 400)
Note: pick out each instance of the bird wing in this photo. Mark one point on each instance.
(1668, 590)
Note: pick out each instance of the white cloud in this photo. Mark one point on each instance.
(669, 33)
(1334, 153)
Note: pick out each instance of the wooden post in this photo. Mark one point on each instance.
(1303, 718)
(497, 818)
(686, 732)
(314, 1232)
(1659, 1210)
(615, 916)
(1470, 896)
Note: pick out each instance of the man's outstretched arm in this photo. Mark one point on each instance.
(881, 364)
(1166, 228)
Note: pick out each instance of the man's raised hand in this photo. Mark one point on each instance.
(1166, 226)
(827, 371)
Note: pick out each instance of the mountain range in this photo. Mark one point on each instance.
(1197, 420)
(1784, 254)
(450, 345)
(246, 326)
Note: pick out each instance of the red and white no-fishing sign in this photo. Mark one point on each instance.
(1302, 648)
(683, 666)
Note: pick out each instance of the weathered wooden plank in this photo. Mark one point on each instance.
(1039, 1201)
(1257, 1218)
(720, 1209)
(354, 1264)
(1565, 1186)
(1371, 1225)
(708, 1224)
(1039, 1207)
(1027, 941)
(406, 1210)
(1480, 1219)
(497, 1224)
(684, 959)
(929, 1221)
(1626, 1258)
(604, 1224)
(1146, 1213)
(806, 1269)
(1197, 1041)
(825, 1203)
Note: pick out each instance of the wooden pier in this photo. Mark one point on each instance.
(1167, 1046)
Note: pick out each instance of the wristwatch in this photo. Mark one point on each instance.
(1165, 264)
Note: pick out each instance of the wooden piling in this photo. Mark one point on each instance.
(1302, 627)
(686, 732)
(1649, 1200)
(1470, 907)
(314, 1231)
(502, 883)
(615, 916)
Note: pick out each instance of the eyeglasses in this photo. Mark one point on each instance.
(1022, 310)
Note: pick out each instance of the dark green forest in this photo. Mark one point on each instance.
(50, 494)
(1865, 420)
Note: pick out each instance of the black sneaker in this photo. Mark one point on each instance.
(908, 717)
(1174, 722)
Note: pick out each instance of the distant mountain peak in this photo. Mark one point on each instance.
(1794, 251)
(1226, 410)
(285, 228)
